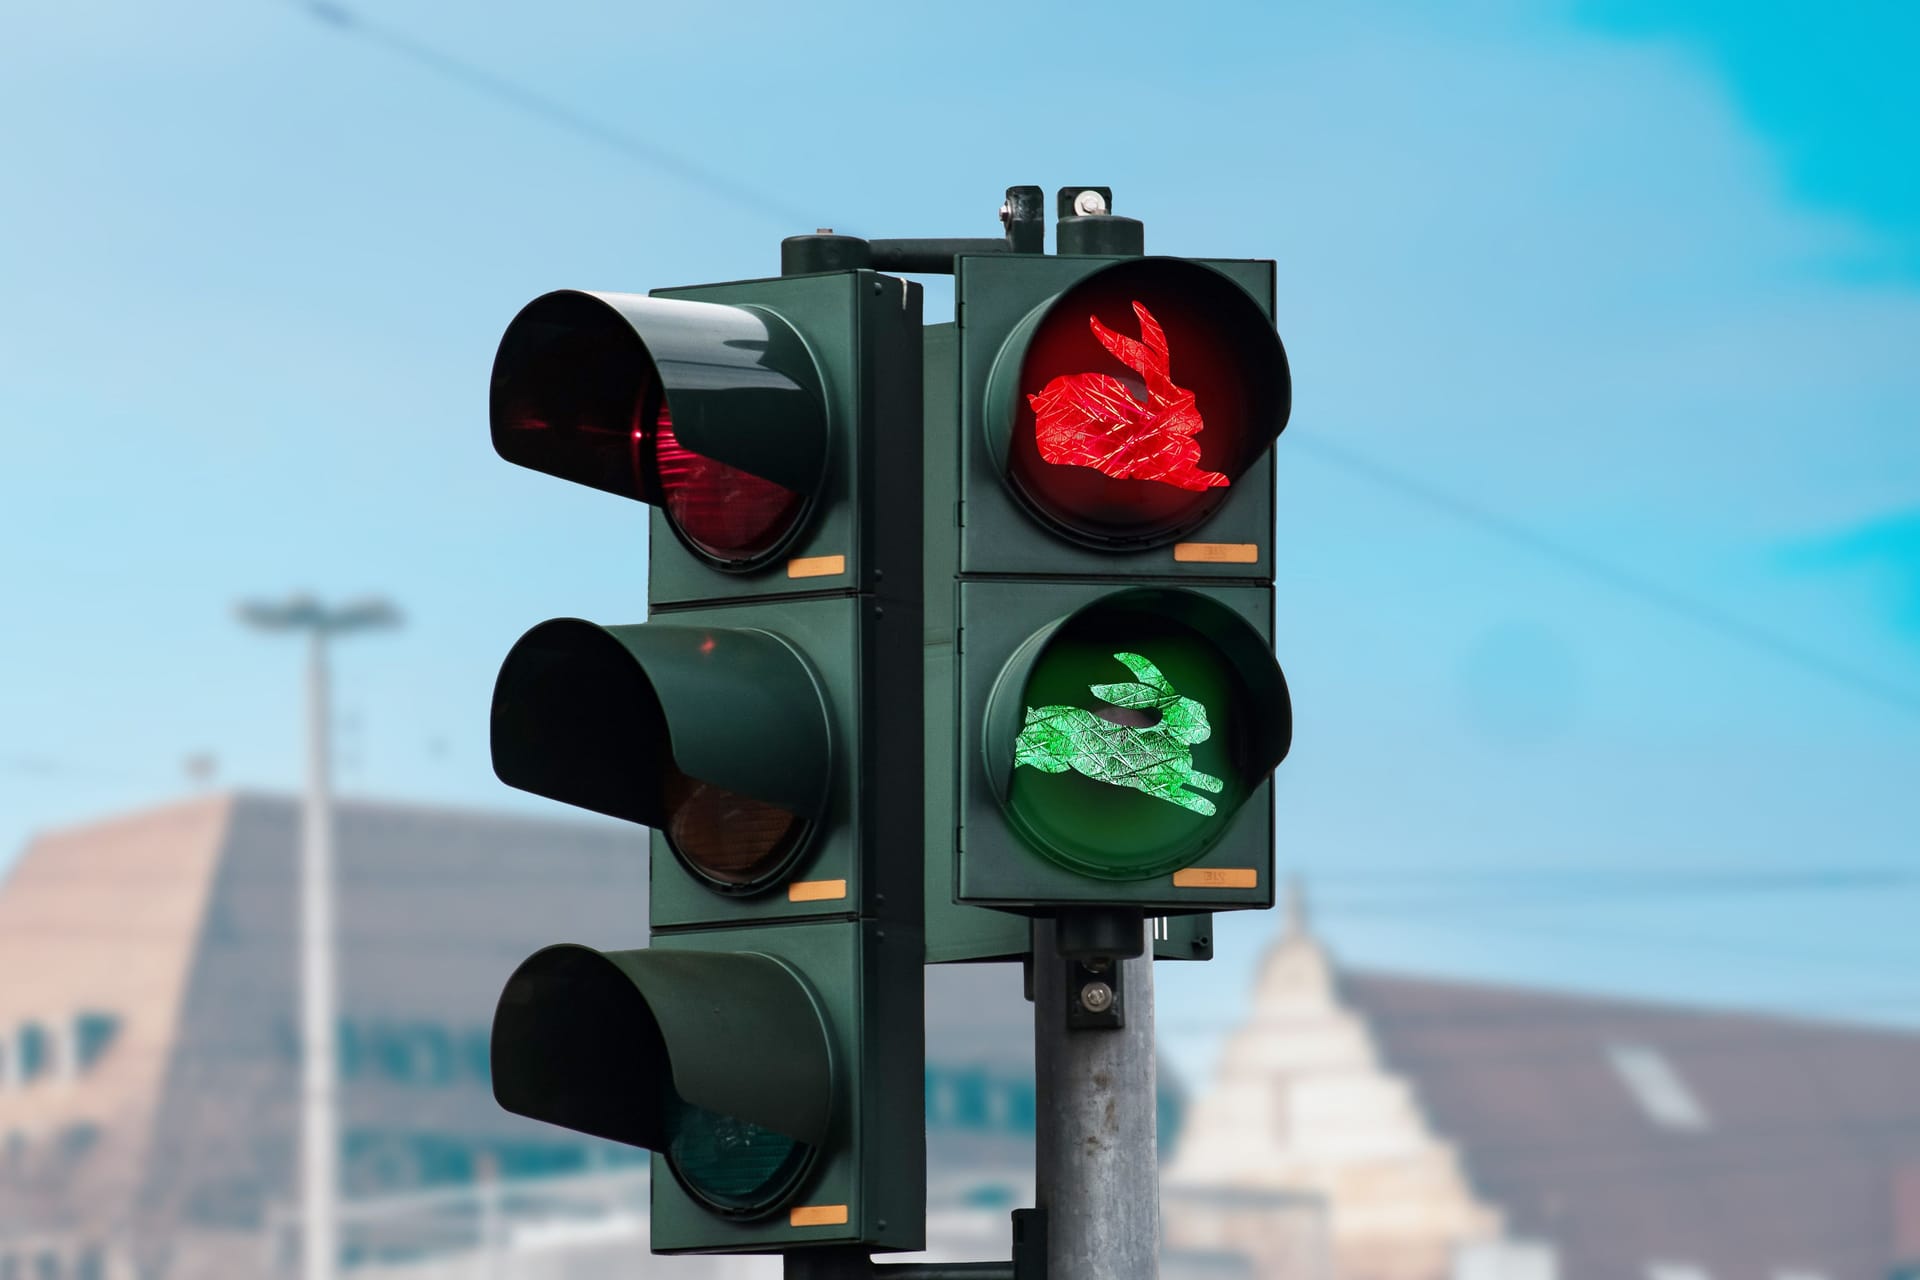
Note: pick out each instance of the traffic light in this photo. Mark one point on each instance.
(764, 723)
(1108, 421)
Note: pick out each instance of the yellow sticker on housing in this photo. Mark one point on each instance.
(1216, 878)
(816, 566)
(816, 890)
(1216, 552)
(818, 1215)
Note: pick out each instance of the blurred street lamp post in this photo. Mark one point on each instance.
(319, 1113)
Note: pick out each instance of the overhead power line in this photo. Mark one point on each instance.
(557, 113)
(1760, 639)
(1627, 582)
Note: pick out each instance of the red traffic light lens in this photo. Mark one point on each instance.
(710, 412)
(719, 511)
(1127, 406)
(736, 844)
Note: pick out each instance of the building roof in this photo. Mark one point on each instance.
(1760, 1146)
(1639, 1140)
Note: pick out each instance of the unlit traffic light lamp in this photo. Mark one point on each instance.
(625, 1045)
(716, 737)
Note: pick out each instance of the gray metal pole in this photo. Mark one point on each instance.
(1097, 1171)
(319, 1139)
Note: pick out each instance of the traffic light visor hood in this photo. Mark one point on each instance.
(712, 412)
(1122, 738)
(718, 736)
(658, 1049)
(1122, 410)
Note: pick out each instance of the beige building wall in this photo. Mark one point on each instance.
(96, 922)
(1303, 1105)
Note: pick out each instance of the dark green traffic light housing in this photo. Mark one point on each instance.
(669, 401)
(1123, 408)
(761, 741)
(736, 412)
(1122, 738)
(645, 723)
(1117, 709)
(1117, 747)
(625, 1045)
(751, 1062)
(764, 724)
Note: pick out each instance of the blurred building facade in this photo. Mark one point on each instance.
(1463, 1132)
(149, 1055)
(1362, 1126)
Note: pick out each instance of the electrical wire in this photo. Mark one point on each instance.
(1644, 589)
(643, 151)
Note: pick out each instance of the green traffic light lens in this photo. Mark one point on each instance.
(1127, 742)
(733, 1166)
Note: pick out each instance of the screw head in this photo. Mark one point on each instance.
(1096, 997)
(1089, 204)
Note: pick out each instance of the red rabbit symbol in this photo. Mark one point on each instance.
(1093, 420)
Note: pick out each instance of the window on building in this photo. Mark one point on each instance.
(969, 1099)
(476, 1048)
(431, 1051)
(1025, 1109)
(350, 1047)
(33, 1053)
(92, 1033)
(990, 1195)
(1677, 1271)
(1659, 1089)
(77, 1139)
(393, 1051)
(1000, 1105)
(943, 1101)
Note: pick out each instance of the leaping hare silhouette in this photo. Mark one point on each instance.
(1093, 420)
(1156, 759)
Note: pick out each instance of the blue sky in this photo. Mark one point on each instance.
(1600, 581)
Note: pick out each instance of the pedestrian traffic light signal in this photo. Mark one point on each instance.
(764, 723)
(1123, 739)
(1120, 709)
(1122, 405)
(1117, 746)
